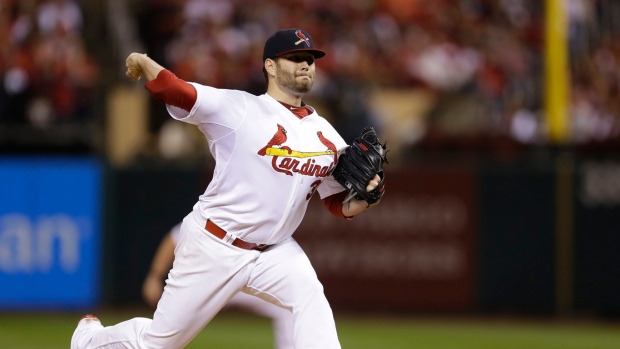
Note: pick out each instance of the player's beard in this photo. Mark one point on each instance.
(288, 80)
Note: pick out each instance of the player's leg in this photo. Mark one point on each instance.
(205, 275)
(282, 319)
(284, 276)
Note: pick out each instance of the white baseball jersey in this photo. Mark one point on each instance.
(237, 125)
(269, 163)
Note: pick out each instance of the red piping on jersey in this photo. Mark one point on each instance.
(171, 90)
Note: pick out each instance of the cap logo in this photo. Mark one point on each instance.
(302, 38)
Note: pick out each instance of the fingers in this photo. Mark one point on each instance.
(134, 70)
(373, 183)
(133, 75)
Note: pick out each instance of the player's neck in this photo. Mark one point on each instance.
(282, 96)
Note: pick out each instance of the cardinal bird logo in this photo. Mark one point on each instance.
(328, 144)
(277, 139)
(302, 38)
(306, 163)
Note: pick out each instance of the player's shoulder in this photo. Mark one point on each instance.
(246, 95)
(210, 90)
(317, 118)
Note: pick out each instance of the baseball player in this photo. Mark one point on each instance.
(152, 289)
(238, 238)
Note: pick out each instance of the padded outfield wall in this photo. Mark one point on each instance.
(526, 236)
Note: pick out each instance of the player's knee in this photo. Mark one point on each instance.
(312, 292)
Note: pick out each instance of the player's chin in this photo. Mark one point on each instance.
(304, 87)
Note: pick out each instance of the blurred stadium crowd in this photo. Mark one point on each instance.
(477, 64)
(47, 74)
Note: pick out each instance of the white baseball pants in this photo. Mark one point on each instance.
(206, 273)
(281, 318)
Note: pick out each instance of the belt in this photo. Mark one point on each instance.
(221, 234)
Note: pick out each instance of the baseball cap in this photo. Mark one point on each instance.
(290, 40)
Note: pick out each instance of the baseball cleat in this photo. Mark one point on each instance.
(87, 326)
(89, 316)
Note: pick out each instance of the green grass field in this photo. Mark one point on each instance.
(240, 331)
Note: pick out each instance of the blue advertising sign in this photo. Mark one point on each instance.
(49, 232)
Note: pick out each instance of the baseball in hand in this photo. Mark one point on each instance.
(134, 70)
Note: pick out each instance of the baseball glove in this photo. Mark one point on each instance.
(359, 163)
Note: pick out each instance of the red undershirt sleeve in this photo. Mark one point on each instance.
(171, 90)
(333, 204)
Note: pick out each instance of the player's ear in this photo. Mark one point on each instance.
(270, 67)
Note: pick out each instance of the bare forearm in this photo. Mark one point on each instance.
(354, 207)
(162, 261)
